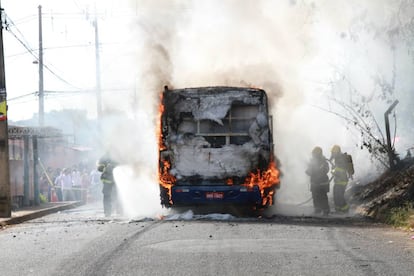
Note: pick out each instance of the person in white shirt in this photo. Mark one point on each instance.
(66, 184)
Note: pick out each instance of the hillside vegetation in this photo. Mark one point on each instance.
(390, 198)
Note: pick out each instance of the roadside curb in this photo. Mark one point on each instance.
(39, 213)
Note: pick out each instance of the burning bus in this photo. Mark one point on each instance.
(216, 147)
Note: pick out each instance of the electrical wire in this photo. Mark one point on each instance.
(26, 19)
(21, 96)
(8, 20)
(57, 47)
(23, 44)
(31, 51)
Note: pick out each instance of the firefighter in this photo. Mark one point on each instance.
(342, 171)
(106, 166)
(318, 169)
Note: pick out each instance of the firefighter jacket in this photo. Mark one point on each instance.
(106, 166)
(318, 169)
(342, 168)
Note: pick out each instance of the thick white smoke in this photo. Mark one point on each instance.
(292, 49)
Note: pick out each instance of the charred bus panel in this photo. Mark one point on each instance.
(216, 147)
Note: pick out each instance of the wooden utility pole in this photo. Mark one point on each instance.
(41, 89)
(5, 196)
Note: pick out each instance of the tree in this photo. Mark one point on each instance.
(360, 99)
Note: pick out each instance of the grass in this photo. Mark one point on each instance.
(402, 216)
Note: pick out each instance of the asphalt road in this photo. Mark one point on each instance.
(80, 242)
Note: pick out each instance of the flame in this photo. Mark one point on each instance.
(166, 180)
(266, 180)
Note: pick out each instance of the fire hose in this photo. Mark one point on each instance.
(309, 199)
(303, 203)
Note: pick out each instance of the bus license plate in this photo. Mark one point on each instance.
(214, 195)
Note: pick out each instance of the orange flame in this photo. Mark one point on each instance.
(166, 180)
(266, 180)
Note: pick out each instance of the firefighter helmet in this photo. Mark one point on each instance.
(317, 151)
(336, 149)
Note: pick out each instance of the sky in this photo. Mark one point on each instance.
(307, 55)
(69, 52)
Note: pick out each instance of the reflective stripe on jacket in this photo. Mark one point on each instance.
(340, 176)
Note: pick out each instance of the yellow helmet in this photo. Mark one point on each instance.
(317, 151)
(336, 149)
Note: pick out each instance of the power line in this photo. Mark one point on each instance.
(37, 58)
(59, 93)
(23, 44)
(31, 51)
(87, 91)
(54, 48)
(21, 96)
(25, 19)
(6, 22)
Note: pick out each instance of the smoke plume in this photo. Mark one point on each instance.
(292, 49)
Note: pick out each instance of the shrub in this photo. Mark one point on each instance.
(401, 216)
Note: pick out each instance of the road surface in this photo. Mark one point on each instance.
(81, 242)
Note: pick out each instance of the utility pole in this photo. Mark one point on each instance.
(98, 72)
(35, 174)
(26, 171)
(391, 154)
(5, 196)
(41, 90)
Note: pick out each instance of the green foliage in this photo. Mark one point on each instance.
(400, 216)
